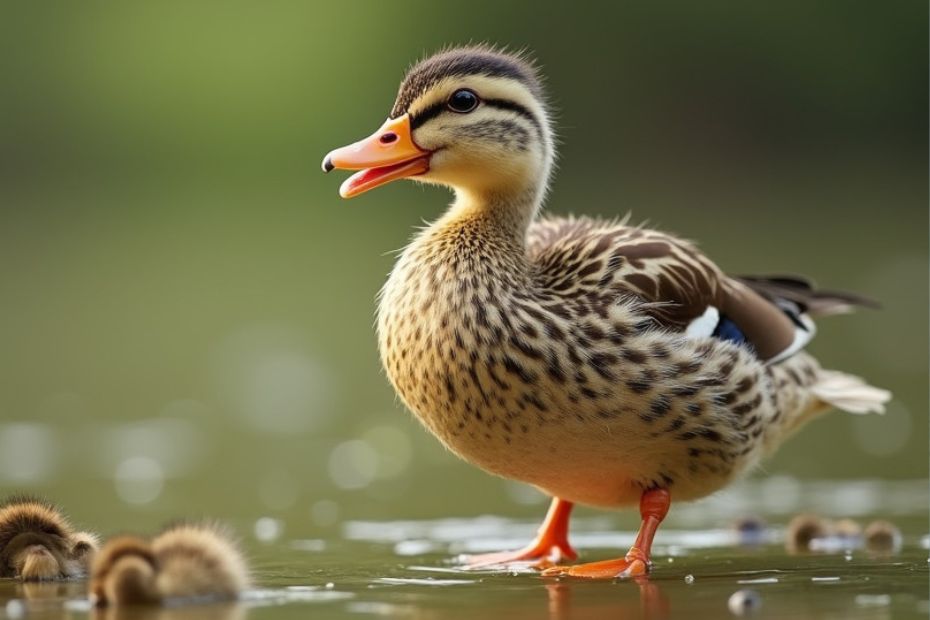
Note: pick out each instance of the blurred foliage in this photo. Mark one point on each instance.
(169, 248)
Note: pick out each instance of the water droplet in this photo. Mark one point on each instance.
(744, 602)
(689, 579)
(15, 608)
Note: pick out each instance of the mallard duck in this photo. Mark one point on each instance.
(605, 363)
(186, 563)
(38, 542)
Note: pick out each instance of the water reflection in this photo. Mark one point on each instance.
(570, 601)
(563, 600)
(49, 590)
(226, 611)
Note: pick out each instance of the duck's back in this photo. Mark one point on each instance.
(198, 560)
(602, 262)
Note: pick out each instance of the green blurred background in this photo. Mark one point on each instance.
(187, 305)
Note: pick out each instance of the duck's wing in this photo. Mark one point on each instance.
(799, 300)
(802, 292)
(596, 263)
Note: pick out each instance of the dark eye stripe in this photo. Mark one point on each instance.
(436, 109)
(513, 106)
(427, 114)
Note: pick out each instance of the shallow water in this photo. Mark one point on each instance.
(403, 569)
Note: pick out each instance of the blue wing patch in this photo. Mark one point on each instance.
(728, 330)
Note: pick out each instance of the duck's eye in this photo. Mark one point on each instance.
(463, 101)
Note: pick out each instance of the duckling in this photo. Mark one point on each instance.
(803, 530)
(186, 562)
(606, 364)
(38, 542)
(750, 530)
(882, 537)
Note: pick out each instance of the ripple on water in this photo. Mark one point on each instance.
(413, 581)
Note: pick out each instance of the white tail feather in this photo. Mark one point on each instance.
(849, 393)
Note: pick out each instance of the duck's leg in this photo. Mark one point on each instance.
(653, 506)
(550, 545)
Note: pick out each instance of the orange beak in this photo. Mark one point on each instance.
(386, 155)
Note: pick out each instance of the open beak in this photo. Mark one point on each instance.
(386, 155)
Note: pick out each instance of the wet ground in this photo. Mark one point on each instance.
(402, 569)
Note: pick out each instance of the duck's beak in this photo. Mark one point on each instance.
(386, 155)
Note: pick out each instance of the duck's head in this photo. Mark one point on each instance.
(123, 572)
(37, 542)
(470, 118)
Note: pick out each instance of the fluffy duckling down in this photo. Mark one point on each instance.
(38, 542)
(189, 562)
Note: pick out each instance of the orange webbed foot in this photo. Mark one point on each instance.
(539, 555)
(622, 568)
(550, 546)
(653, 506)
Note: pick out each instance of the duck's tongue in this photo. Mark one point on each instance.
(371, 178)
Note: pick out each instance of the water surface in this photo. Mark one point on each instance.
(404, 569)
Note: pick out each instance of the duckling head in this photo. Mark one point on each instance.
(472, 118)
(124, 573)
(38, 558)
(37, 542)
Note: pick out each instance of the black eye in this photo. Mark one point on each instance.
(463, 101)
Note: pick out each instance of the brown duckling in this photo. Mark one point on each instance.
(803, 530)
(882, 537)
(605, 364)
(189, 562)
(38, 542)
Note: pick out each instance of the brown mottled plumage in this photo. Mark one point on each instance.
(186, 562)
(596, 360)
(37, 541)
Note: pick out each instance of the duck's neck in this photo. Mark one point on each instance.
(501, 218)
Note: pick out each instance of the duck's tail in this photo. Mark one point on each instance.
(849, 393)
(801, 291)
(804, 390)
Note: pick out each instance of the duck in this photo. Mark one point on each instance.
(605, 363)
(39, 543)
(187, 562)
